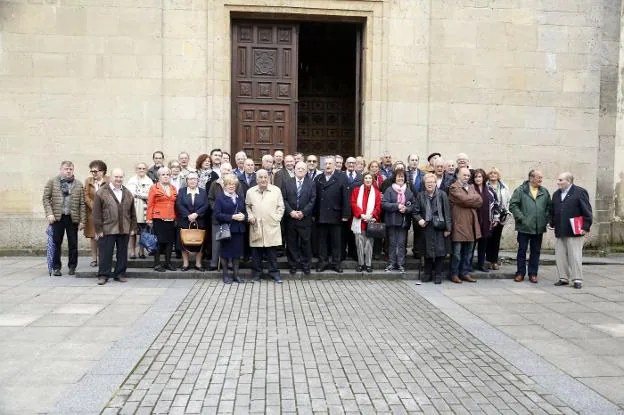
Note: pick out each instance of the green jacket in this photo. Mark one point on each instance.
(531, 215)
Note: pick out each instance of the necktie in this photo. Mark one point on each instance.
(298, 192)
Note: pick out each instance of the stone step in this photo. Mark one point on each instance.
(349, 273)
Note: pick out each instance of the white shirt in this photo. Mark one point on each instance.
(193, 193)
(117, 192)
(564, 192)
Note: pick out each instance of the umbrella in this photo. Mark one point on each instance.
(50, 251)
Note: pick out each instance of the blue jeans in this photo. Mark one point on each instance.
(462, 256)
(534, 242)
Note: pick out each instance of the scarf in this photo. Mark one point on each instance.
(356, 224)
(400, 190)
(232, 196)
(66, 185)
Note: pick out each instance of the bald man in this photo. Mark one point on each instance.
(114, 219)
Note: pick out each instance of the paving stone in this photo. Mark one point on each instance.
(342, 347)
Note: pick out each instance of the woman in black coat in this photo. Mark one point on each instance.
(192, 207)
(397, 204)
(432, 213)
(230, 209)
(488, 215)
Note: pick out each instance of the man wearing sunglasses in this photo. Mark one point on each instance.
(312, 163)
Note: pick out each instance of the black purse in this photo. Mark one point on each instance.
(223, 232)
(376, 230)
(438, 221)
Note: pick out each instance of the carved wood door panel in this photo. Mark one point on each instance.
(264, 87)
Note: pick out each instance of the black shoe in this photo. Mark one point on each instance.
(237, 280)
(578, 285)
(185, 268)
(278, 280)
(159, 268)
(211, 268)
(437, 279)
(57, 273)
(306, 271)
(358, 268)
(200, 268)
(227, 280)
(170, 267)
(293, 271)
(322, 267)
(369, 269)
(561, 282)
(337, 268)
(72, 271)
(255, 279)
(142, 256)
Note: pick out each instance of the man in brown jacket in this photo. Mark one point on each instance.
(114, 219)
(464, 201)
(64, 206)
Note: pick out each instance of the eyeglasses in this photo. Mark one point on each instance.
(94, 171)
(311, 161)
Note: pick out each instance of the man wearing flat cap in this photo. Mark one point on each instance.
(429, 167)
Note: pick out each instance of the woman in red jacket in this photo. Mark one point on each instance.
(161, 213)
(366, 208)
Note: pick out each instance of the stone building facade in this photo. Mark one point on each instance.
(516, 84)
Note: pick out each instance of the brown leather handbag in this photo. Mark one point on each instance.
(192, 236)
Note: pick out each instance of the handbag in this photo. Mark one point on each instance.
(148, 240)
(223, 232)
(192, 236)
(376, 230)
(438, 224)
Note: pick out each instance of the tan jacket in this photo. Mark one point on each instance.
(53, 200)
(267, 208)
(464, 204)
(111, 217)
(89, 191)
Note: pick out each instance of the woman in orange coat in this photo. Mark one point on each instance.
(161, 213)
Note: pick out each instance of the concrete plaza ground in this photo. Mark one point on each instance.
(68, 346)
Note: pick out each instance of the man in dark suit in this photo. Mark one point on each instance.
(282, 175)
(299, 195)
(247, 180)
(415, 179)
(312, 163)
(332, 208)
(571, 218)
(354, 179)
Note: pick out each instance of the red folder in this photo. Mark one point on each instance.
(577, 225)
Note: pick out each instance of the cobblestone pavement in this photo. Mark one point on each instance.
(322, 346)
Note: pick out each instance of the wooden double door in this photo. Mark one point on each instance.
(266, 107)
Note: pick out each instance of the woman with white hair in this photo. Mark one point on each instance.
(139, 185)
(161, 214)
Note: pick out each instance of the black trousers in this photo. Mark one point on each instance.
(257, 253)
(348, 248)
(60, 228)
(493, 246)
(329, 241)
(106, 244)
(298, 237)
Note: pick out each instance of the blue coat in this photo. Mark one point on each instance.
(224, 209)
(185, 207)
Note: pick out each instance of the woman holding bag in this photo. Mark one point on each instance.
(366, 208)
(230, 209)
(432, 213)
(397, 204)
(161, 213)
(192, 209)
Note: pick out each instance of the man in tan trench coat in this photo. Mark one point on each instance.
(464, 201)
(265, 208)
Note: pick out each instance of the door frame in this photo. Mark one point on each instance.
(294, 18)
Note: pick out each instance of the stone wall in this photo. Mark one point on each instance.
(514, 83)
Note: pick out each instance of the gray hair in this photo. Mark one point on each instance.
(67, 163)
(439, 160)
(568, 176)
(240, 153)
(267, 157)
(463, 156)
(117, 169)
(163, 170)
(262, 172)
(192, 174)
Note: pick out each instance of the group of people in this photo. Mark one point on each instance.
(347, 208)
